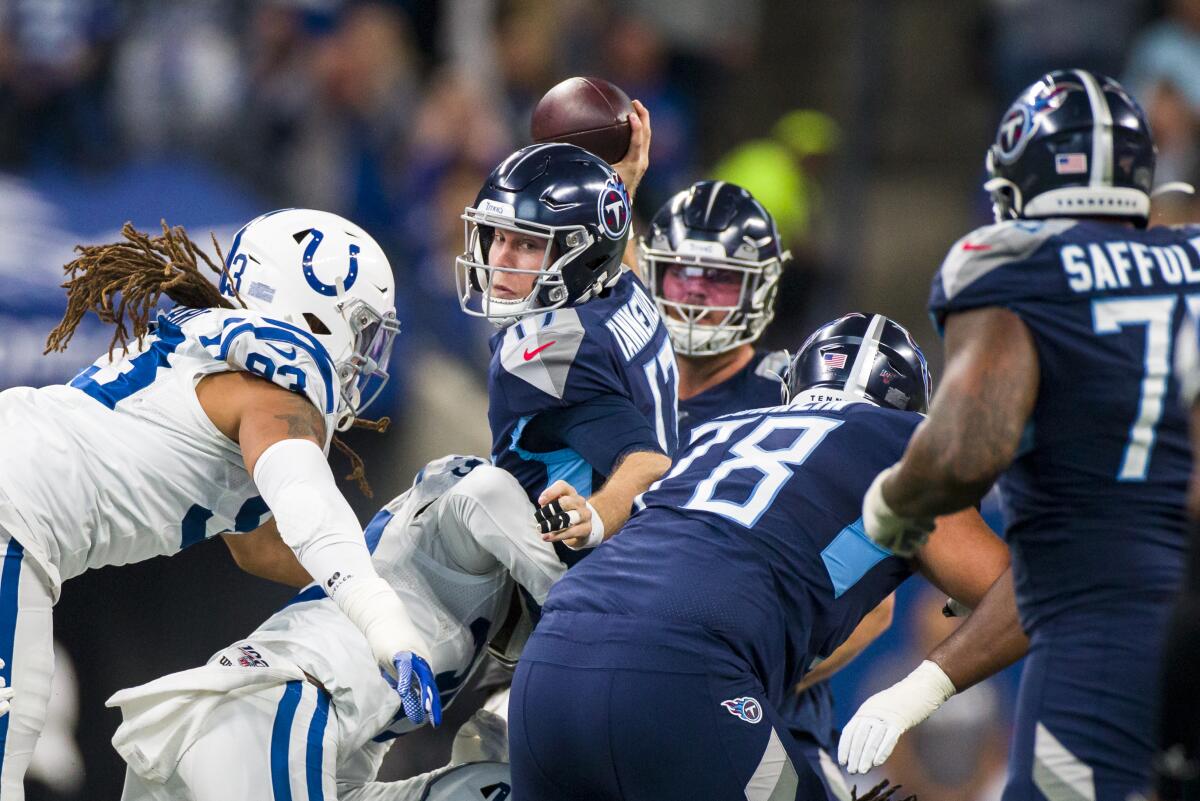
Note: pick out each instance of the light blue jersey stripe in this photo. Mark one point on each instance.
(849, 556)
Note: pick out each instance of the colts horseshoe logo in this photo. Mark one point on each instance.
(330, 290)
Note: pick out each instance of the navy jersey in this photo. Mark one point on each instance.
(611, 354)
(755, 386)
(1094, 500)
(753, 541)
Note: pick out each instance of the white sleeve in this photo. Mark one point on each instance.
(487, 518)
(315, 521)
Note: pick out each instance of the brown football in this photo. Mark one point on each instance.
(589, 112)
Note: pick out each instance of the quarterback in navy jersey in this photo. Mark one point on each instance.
(1059, 322)
(660, 663)
(712, 260)
(582, 383)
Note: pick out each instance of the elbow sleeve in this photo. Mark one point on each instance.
(317, 523)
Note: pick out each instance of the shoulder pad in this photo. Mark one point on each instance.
(993, 246)
(540, 350)
(773, 365)
(280, 352)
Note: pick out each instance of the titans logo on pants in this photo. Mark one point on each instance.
(746, 708)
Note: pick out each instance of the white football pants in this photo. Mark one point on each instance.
(276, 743)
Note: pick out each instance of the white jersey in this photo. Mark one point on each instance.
(122, 463)
(450, 547)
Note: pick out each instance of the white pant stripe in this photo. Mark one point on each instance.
(1059, 774)
(775, 778)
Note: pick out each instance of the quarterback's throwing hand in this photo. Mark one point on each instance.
(417, 689)
(633, 166)
(566, 515)
(900, 535)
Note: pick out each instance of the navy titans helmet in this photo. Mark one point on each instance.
(1074, 144)
(562, 195)
(861, 356)
(716, 230)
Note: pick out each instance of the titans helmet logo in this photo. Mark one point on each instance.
(613, 209)
(1025, 117)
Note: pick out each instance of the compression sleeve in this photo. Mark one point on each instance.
(315, 521)
(601, 430)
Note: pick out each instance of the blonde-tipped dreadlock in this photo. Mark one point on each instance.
(125, 280)
(880, 792)
(140, 271)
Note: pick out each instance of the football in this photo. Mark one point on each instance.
(589, 112)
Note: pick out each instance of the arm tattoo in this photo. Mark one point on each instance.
(303, 420)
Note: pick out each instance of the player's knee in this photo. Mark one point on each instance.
(492, 487)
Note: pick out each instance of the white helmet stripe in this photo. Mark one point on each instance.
(712, 198)
(856, 384)
(1102, 130)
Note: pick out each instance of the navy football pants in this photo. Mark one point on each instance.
(609, 734)
(1085, 724)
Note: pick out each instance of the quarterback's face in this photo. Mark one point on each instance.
(518, 251)
(703, 286)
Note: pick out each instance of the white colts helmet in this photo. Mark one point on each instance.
(323, 274)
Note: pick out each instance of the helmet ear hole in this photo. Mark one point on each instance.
(314, 324)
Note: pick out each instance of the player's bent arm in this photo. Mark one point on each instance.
(281, 435)
(989, 640)
(976, 418)
(963, 557)
(876, 622)
(600, 517)
(263, 553)
(634, 474)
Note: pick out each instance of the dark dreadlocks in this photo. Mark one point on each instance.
(122, 283)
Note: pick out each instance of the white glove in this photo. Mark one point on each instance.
(868, 739)
(900, 535)
(6, 694)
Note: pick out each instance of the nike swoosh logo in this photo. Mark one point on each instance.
(285, 354)
(969, 246)
(529, 354)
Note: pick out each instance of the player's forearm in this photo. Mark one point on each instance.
(633, 475)
(263, 553)
(988, 641)
(316, 522)
(876, 622)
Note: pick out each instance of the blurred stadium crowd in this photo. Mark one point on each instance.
(860, 125)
